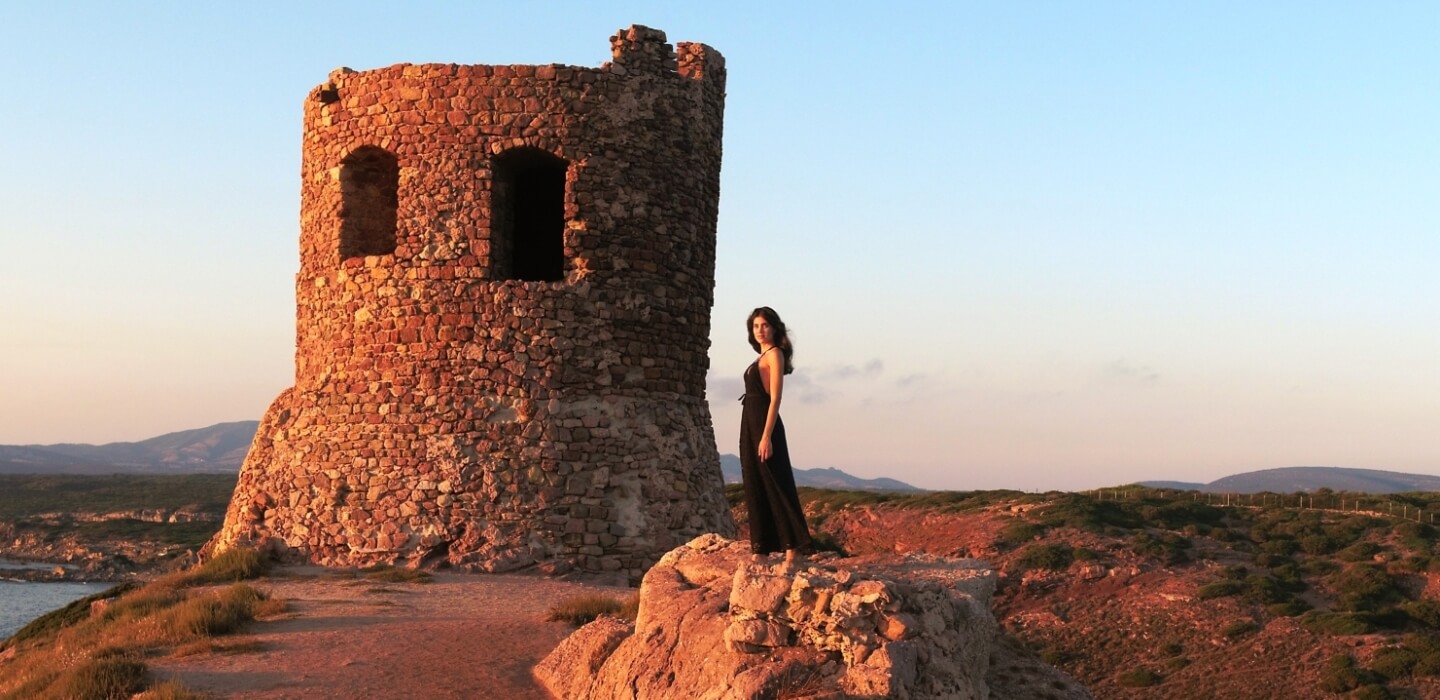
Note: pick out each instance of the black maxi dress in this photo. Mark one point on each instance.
(777, 522)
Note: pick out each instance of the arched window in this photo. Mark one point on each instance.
(527, 216)
(369, 182)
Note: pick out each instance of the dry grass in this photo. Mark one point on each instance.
(169, 690)
(98, 655)
(213, 646)
(227, 567)
(582, 609)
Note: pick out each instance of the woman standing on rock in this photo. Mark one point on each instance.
(777, 521)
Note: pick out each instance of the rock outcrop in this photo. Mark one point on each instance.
(715, 622)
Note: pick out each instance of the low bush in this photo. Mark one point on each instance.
(1340, 675)
(1334, 623)
(1363, 588)
(1394, 663)
(1167, 547)
(1238, 628)
(1428, 665)
(1360, 551)
(1016, 532)
(1220, 589)
(1425, 612)
(1139, 678)
(1289, 608)
(1317, 545)
(1052, 556)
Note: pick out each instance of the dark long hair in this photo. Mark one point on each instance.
(782, 338)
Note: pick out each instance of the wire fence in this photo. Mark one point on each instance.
(1385, 506)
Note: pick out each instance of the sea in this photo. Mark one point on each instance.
(23, 601)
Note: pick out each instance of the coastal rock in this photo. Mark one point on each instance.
(716, 622)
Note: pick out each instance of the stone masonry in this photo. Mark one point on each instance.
(503, 317)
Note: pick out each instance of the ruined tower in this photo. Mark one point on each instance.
(503, 317)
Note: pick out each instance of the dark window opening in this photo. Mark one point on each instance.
(369, 185)
(527, 236)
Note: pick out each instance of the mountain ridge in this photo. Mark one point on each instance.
(216, 448)
(1307, 479)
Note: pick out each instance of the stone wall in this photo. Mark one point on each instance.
(453, 402)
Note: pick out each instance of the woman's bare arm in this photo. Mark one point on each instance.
(771, 368)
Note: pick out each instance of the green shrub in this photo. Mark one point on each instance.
(1236, 573)
(1373, 691)
(1139, 678)
(1224, 534)
(1281, 547)
(1167, 547)
(1394, 663)
(1171, 649)
(1016, 532)
(1363, 588)
(1421, 644)
(1428, 665)
(1316, 545)
(1289, 608)
(1425, 612)
(1239, 628)
(1288, 577)
(1334, 623)
(1085, 513)
(1319, 567)
(1220, 589)
(1360, 551)
(1264, 590)
(1053, 556)
(1271, 560)
(1183, 514)
(1340, 675)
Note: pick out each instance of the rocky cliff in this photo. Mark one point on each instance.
(717, 622)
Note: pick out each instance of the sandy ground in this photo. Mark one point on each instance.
(460, 636)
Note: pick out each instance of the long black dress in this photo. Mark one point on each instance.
(777, 522)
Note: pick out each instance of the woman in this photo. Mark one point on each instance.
(777, 521)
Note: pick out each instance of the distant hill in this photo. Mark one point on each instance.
(820, 478)
(222, 448)
(1306, 479)
(218, 448)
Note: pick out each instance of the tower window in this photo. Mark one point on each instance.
(369, 182)
(527, 240)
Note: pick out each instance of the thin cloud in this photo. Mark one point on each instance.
(1123, 371)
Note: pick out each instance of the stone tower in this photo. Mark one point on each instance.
(503, 317)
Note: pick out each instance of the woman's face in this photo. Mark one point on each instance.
(764, 334)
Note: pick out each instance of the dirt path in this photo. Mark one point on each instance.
(460, 636)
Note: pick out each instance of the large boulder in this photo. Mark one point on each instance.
(717, 622)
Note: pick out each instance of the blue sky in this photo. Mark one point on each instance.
(1020, 245)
